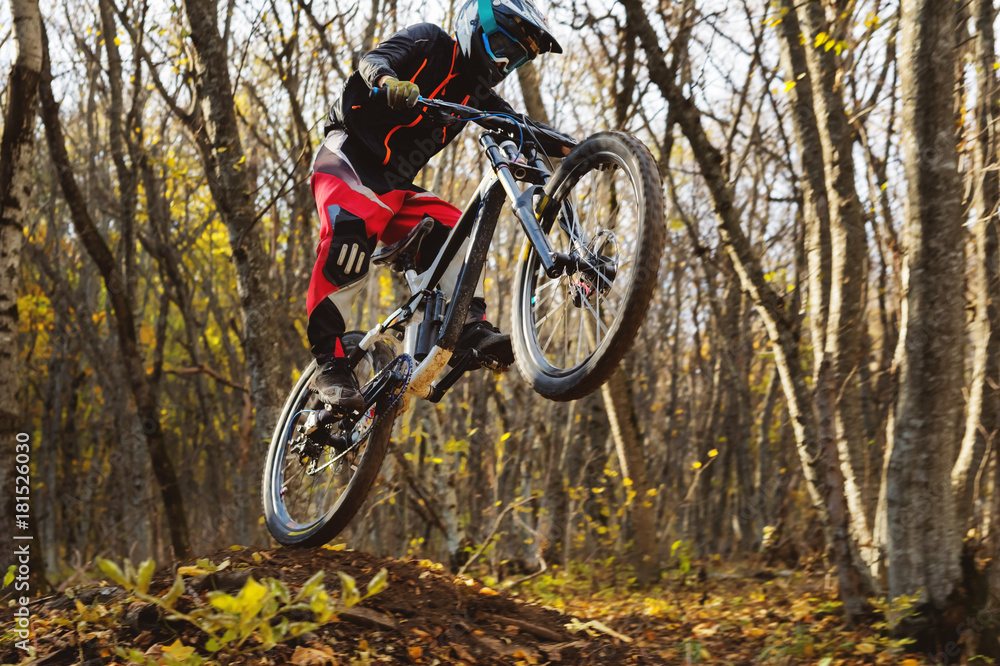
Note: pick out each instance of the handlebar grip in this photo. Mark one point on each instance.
(377, 91)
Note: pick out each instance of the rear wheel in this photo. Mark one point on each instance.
(571, 332)
(312, 490)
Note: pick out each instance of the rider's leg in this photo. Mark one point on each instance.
(352, 217)
(341, 265)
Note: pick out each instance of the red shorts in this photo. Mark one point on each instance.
(389, 219)
(354, 218)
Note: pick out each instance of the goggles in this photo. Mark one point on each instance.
(507, 52)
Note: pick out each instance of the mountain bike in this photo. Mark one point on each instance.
(594, 234)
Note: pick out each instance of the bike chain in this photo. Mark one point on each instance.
(396, 393)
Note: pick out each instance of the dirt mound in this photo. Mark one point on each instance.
(424, 615)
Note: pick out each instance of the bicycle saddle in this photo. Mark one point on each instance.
(402, 254)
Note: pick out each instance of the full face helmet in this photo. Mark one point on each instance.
(502, 35)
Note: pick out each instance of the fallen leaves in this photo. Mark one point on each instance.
(705, 630)
(426, 616)
(306, 656)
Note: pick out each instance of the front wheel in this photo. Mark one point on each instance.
(604, 209)
(312, 490)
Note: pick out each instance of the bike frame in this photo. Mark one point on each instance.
(478, 224)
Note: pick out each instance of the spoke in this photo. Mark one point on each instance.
(541, 299)
(541, 321)
(598, 295)
(547, 285)
(597, 317)
(561, 311)
(579, 339)
(301, 470)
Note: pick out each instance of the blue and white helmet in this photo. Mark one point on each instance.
(502, 35)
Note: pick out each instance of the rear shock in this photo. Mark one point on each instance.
(428, 331)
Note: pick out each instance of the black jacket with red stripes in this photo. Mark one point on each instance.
(400, 143)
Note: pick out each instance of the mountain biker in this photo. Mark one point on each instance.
(363, 173)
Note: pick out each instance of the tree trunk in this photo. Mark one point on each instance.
(922, 534)
(16, 152)
(218, 138)
(632, 460)
(837, 369)
(984, 288)
(812, 181)
(531, 80)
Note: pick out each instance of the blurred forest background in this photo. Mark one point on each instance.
(818, 375)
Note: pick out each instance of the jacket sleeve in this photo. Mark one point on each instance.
(407, 46)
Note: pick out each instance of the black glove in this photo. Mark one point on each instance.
(401, 95)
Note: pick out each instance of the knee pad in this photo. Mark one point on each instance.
(350, 250)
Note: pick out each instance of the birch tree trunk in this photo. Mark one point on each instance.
(981, 418)
(922, 535)
(838, 387)
(16, 151)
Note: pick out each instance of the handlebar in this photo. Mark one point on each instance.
(514, 124)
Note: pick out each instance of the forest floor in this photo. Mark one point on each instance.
(419, 614)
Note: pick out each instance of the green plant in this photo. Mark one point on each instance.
(682, 551)
(258, 613)
(694, 651)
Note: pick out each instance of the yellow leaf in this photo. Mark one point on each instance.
(865, 648)
(251, 595)
(224, 602)
(488, 591)
(713, 453)
(415, 652)
(118, 42)
(696, 465)
(788, 86)
(177, 651)
(909, 662)
(191, 571)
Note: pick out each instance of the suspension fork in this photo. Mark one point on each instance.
(553, 263)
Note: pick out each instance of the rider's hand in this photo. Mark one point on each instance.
(401, 95)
